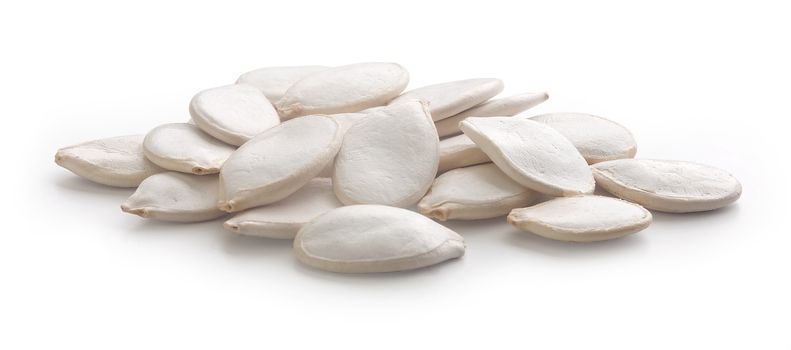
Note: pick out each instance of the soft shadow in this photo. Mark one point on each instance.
(78, 184)
(153, 226)
(730, 212)
(429, 272)
(575, 250)
(238, 245)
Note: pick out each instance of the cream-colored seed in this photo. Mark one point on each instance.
(233, 113)
(174, 196)
(184, 147)
(375, 238)
(582, 218)
(475, 192)
(667, 185)
(116, 161)
(501, 107)
(278, 162)
(531, 153)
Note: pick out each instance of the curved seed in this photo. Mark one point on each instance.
(116, 161)
(596, 138)
(459, 151)
(274, 81)
(501, 107)
(531, 153)
(476, 192)
(184, 147)
(233, 113)
(344, 89)
(173, 196)
(390, 157)
(582, 218)
(667, 185)
(375, 238)
(284, 218)
(276, 163)
(446, 99)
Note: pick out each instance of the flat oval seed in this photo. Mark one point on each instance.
(476, 192)
(598, 139)
(501, 107)
(350, 88)
(283, 219)
(274, 81)
(184, 147)
(531, 153)
(276, 163)
(667, 185)
(390, 157)
(582, 218)
(459, 151)
(116, 161)
(375, 238)
(233, 113)
(446, 99)
(173, 196)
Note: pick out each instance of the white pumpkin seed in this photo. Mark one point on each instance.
(459, 151)
(582, 218)
(531, 153)
(184, 147)
(233, 113)
(390, 157)
(501, 107)
(284, 218)
(375, 238)
(276, 163)
(274, 81)
(667, 185)
(173, 196)
(116, 161)
(596, 138)
(476, 192)
(344, 89)
(446, 99)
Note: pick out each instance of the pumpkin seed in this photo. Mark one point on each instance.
(447, 99)
(476, 192)
(582, 218)
(344, 89)
(375, 238)
(668, 185)
(531, 153)
(184, 147)
(276, 163)
(173, 196)
(390, 157)
(233, 113)
(116, 161)
(596, 138)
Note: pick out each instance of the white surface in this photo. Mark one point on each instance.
(698, 81)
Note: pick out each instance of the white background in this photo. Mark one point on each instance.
(706, 82)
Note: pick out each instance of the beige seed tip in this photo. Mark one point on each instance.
(141, 212)
(233, 227)
(226, 206)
